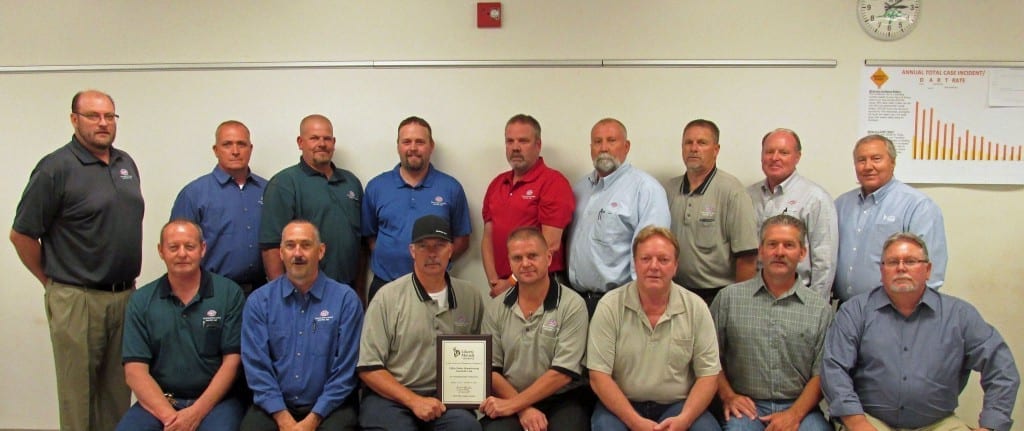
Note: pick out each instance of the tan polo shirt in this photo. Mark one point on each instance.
(402, 324)
(553, 338)
(657, 364)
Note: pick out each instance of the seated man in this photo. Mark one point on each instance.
(652, 352)
(397, 353)
(299, 343)
(770, 332)
(540, 332)
(898, 356)
(181, 341)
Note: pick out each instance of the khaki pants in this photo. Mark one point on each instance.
(86, 327)
(951, 423)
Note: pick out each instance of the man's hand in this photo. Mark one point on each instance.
(739, 406)
(500, 286)
(673, 423)
(533, 420)
(187, 419)
(642, 424)
(785, 420)
(427, 408)
(495, 407)
(308, 423)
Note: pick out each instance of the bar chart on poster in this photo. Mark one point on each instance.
(950, 124)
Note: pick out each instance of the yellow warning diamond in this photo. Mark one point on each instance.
(879, 77)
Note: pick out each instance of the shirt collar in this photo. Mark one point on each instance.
(205, 286)
(427, 182)
(795, 291)
(675, 299)
(596, 179)
(424, 296)
(531, 175)
(551, 300)
(308, 170)
(88, 158)
(781, 187)
(224, 178)
(879, 299)
(316, 290)
(685, 187)
(881, 193)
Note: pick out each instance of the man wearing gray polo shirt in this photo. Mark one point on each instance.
(712, 216)
(397, 352)
(539, 329)
(771, 329)
(612, 204)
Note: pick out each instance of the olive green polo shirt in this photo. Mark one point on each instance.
(332, 204)
(402, 324)
(657, 364)
(184, 344)
(553, 338)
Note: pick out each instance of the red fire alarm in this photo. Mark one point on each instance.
(488, 15)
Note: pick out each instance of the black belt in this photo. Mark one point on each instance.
(119, 286)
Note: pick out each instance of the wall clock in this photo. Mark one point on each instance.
(888, 19)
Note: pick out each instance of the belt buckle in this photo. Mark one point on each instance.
(171, 400)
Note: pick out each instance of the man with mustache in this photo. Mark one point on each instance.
(770, 334)
(397, 356)
(712, 216)
(318, 191)
(78, 230)
(881, 207)
(898, 356)
(300, 341)
(396, 198)
(182, 342)
(227, 203)
(613, 203)
(530, 194)
(785, 191)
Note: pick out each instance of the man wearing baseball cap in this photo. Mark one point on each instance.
(397, 352)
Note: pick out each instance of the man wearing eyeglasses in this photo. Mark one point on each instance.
(881, 207)
(899, 356)
(329, 197)
(78, 230)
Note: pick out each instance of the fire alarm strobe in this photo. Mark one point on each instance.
(488, 15)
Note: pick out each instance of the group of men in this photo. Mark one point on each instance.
(268, 276)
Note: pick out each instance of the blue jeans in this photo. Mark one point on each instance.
(605, 420)
(226, 415)
(379, 413)
(814, 421)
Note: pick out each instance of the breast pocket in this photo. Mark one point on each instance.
(613, 226)
(707, 237)
(210, 345)
(323, 337)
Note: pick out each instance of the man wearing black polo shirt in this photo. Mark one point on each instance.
(78, 230)
(181, 368)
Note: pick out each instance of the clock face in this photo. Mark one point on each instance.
(888, 19)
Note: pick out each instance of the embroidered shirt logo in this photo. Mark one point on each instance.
(438, 201)
(125, 175)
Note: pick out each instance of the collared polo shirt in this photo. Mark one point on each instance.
(542, 196)
(230, 218)
(713, 222)
(183, 344)
(657, 364)
(909, 371)
(300, 350)
(799, 197)
(865, 222)
(770, 347)
(553, 338)
(332, 204)
(87, 213)
(391, 207)
(403, 322)
(610, 211)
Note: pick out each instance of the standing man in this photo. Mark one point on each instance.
(539, 328)
(227, 204)
(78, 230)
(300, 338)
(784, 191)
(771, 330)
(396, 198)
(182, 342)
(531, 194)
(881, 207)
(712, 216)
(899, 356)
(322, 193)
(613, 203)
(397, 351)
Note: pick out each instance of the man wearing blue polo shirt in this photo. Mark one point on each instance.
(181, 368)
(300, 342)
(226, 203)
(396, 198)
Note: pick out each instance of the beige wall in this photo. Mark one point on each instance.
(168, 118)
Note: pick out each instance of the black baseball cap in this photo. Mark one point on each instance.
(431, 226)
